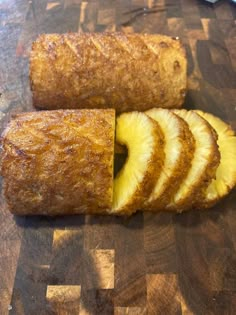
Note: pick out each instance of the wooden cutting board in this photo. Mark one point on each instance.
(149, 263)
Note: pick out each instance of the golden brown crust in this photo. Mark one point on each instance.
(59, 162)
(100, 70)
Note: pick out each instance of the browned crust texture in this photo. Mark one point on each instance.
(99, 70)
(59, 162)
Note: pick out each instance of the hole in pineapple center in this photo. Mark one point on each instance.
(121, 154)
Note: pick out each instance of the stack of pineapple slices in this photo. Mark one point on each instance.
(177, 160)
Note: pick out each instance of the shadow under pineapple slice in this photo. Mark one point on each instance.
(135, 181)
(226, 172)
(179, 150)
(204, 163)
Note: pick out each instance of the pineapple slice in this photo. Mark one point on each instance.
(226, 172)
(135, 181)
(179, 150)
(204, 164)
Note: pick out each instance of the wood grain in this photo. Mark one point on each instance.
(148, 264)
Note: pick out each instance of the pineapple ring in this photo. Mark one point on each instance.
(226, 172)
(179, 150)
(204, 164)
(135, 181)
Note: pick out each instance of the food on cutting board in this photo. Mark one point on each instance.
(99, 70)
(61, 162)
(226, 172)
(205, 161)
(179, 151)
(144, 140)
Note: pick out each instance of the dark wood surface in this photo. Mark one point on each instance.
(150, 263)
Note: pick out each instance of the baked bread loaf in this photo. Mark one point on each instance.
(102, 70)
(59, 162)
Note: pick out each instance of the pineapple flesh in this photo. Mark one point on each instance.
(226, 172)
(179, 150)
(204, 163)
(145, 144)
